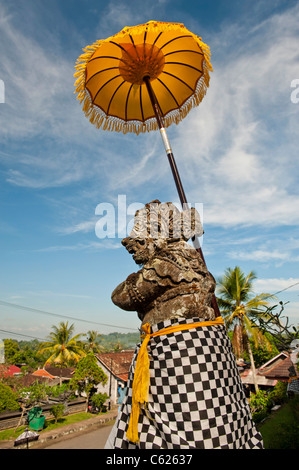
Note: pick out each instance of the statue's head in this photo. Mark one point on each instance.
(157, 225)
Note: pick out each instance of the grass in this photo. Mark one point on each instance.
(281, 429)
(75, 418)
(12, 434)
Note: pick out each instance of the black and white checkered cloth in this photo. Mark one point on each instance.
(293, 386)
(196, 397)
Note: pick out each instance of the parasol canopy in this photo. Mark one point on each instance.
(144, 78)
(110, 76)
(25, 437)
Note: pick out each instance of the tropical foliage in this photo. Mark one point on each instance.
(87, 376)
(57, 411)
(238, 305)
(92, 342)
(30, 396)
(29, 352)
(277, 325)
(63, 348)
(8, 398)
(21, 352)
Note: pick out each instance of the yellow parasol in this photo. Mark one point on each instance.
(112, 74)
(144, 78)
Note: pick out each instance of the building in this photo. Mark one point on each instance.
(9, 370)
(53, 375)
(275, 370)
(64, 374)
(43, 373)
(116, 366)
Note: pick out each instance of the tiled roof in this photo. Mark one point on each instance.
(269, 373)
(278, 370)
(29, 379)
(247, 378)
(63, 372)
(8, 371)
(117, 363)
(123, 377)
(43, 373)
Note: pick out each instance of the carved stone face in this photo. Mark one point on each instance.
(141, 248)
(158, 224)
(173, 281)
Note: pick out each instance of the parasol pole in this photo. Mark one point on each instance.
(174, 170)
(166, 143)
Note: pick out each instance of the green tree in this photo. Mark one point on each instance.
(57, 411)
(63, 348)
(21, 352)
(277, 325)
(92, 342)
(30, 396)
(238, 304)
(279, 393)
(8, 398)
(98, 399)
(259, 404)
(117, 346)
(87, 375)
(11, 351)
(262, 353)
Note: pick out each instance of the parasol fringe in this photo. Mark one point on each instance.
(98, 118)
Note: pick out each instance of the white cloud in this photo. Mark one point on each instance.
(235, 152)
(106, 244)
(118, 14)
(260, 255)
(83, 227)
(237, 149)
(36, 83)
(273, 285)
(45, 293)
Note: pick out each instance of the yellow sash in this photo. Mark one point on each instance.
(142, 374)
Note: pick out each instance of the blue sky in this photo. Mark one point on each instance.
(237, 154)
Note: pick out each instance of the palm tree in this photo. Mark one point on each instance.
(62, 347)
(237, 305)
(92, 342)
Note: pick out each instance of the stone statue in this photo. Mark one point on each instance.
(173, 281)
(184, 389)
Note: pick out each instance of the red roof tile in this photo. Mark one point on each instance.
(43, 373)
(63, 372)
(9, 371)
(280, 369)
(117, 363)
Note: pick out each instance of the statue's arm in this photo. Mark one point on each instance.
(121, 296)
(134, 292)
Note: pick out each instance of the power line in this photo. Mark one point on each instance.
(21, 334)
(34, 310)
(296, 283)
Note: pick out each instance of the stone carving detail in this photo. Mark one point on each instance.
(173, 281)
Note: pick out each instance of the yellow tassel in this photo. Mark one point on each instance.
(140, 386)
